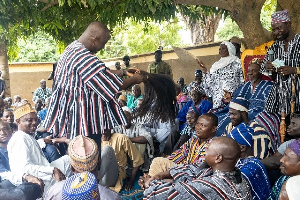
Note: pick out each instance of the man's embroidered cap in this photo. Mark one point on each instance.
(295, 146)
(239, 103)
(242, 134)
(81, 186)
(83, 153)
(23, 109)
(280, 16)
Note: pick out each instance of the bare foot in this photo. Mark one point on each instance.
(143, 179)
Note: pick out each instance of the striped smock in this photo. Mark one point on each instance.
(82, 99)
(281, 93)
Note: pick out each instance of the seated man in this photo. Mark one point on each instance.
(31, 188)
(252, 169)
(203, 105)
(25, 154)
(134, 97)
(85, 158)
(290, 166)
(138, 135)
(193, 151)
(182, 85)
(123, 148)
(256, 91)
(217, 178)
(263, 146)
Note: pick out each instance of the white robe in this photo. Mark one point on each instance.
(26, 157)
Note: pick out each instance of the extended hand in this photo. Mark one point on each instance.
(33, 179)
(202, 66)
(286, 70)
(129, 185)
(58, 175)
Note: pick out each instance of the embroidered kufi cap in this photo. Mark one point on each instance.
(295, 146)
(280, 16)
(239, 103)
(122, 97)
(257, 61)
(242, 134)
(83, 153)
(81, 186)
(22, 109)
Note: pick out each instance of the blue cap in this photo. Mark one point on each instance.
(242, 134)
(81, 186)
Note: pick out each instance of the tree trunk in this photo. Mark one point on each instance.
(4, 65)
(204, 29)
(246, 13)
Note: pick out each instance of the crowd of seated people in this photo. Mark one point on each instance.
(223, 143)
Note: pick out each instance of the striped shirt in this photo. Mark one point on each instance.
(262, 146)
(281, 94)
(198, 181)
(193, 151)
(82, 99)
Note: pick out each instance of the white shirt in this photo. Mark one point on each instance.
(26, 156)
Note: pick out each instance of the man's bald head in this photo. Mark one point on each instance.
(95, 37)
(222, 154)
(228, 147)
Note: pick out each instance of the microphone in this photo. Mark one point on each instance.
(270, 58)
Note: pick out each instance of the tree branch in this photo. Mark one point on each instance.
(51, 3)
(224, 4)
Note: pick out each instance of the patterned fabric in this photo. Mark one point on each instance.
(295, 146)
(195, 86)
(198, 181)
(132, 101)
(262, 143)
(281, 93)
(242, 134)
(280, 16)
(42, 114)
(83, 153)
(204, 107)
(42, 94)
(193, 151)
(229, 78)
(187, 130)
(274, 195)
(239, 103)
(257, 101)
(182, 99)
(81, 186)
(160, 68)
(136, 130)
(254, 172)
(83, 95)
(184, 89)
(23, 109)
